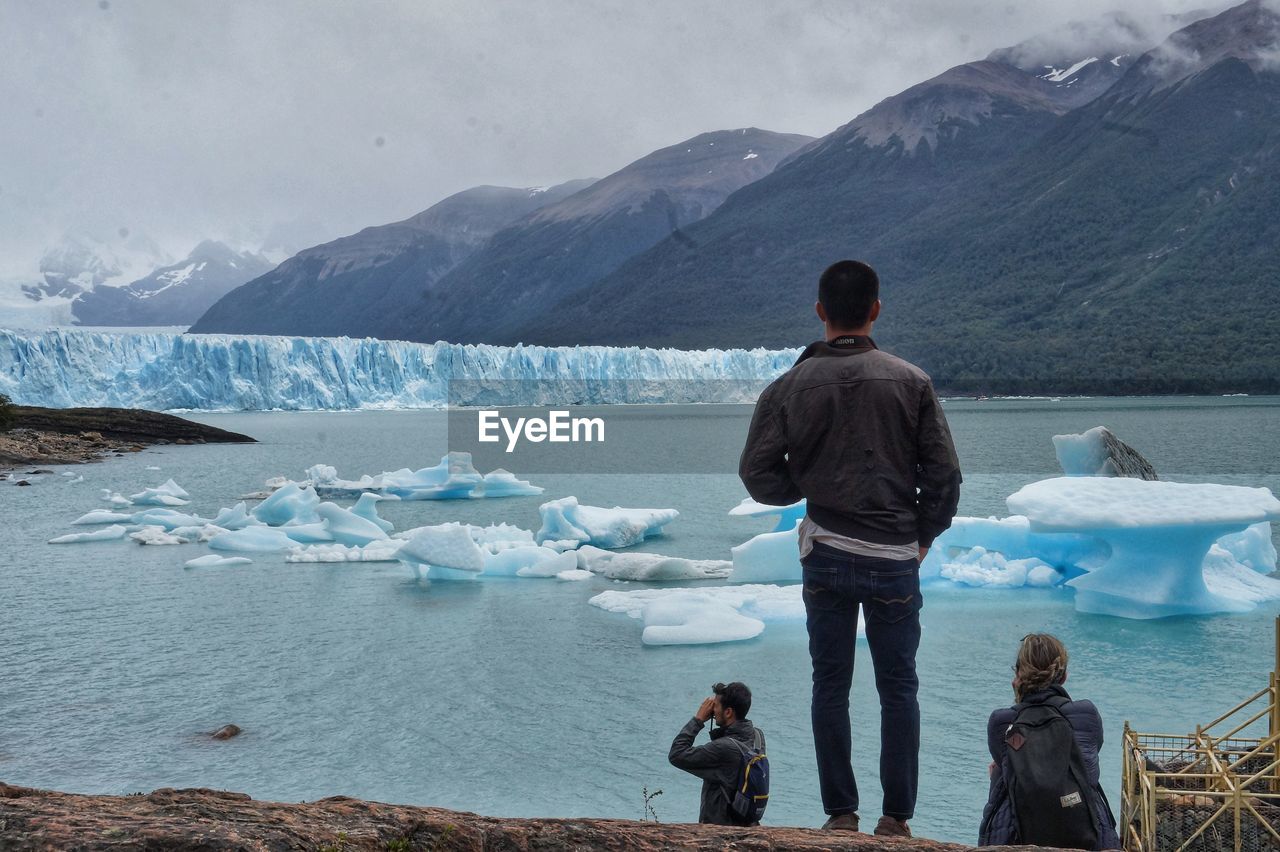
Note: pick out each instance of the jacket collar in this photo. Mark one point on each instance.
(848, 344)
(1040, 696)
(739, 730)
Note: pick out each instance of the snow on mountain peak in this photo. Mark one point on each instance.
(1056, 75)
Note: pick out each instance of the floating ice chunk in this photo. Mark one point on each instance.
(205, 532)
(772, 557)
(649, 567)
(454, 478)
(1159, 534)
(153, 467)
(554, 566)
(696, 620)
(156, 535)
(1251, 547)
(502, 483)
(348, 528)
(377, 551)
(978, 567)
(321, 474)
(75, 481)
(367, 507)
(758, 603)
(111, 533)
(167, 518)
(290, 504)
(1099, 452)
(236, 517)
(115, 498)
(1229, 578)
(525, 561)
(213, 560)
(253, 540)
(566, 520)
(67, 473)
(1071, 553)
(102, 516)
(788, 516)
(496, 537)
(444, 551)
(574, 574)
(168, 494)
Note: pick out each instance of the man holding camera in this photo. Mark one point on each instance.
(719, 762)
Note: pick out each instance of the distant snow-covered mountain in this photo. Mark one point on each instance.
(79, 263)
(175, 294)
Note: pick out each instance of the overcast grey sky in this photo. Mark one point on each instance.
(185, 119)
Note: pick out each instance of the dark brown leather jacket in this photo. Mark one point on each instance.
(861, 436)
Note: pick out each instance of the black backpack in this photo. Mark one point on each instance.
(747, 800)
(1053, 802)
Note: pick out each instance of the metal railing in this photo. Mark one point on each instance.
(1215, 789)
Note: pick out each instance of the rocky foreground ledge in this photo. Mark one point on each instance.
(211, 820)
(77, 435)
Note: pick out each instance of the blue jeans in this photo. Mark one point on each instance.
(836, 583)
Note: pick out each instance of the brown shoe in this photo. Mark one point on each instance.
(841, 822)
(890, 827)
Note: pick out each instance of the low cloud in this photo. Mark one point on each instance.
(183, 120)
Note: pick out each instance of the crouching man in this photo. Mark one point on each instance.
(732, 765)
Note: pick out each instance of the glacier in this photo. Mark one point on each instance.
(165, 371)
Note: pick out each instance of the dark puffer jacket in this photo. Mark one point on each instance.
(998, 824)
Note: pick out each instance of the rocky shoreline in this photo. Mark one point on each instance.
(213, 820)
(78, 435)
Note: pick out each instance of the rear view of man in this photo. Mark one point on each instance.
(860, 435)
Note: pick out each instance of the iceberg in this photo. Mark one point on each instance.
(1098, 452)
(708, 615)
(253, 540)
(377, 551)
(168, 494)
(564, 520)
(649, 567)
(167, 518)
(213, 560)
(557, 564)
(157, 536)
(367, 507)
(444, 552)
(977, 567)
(63, 368)
(111, 533)
(772, 557)
(1158, 533)
(290, 504)
(454, 478)
(102, 516)
(347, 527)
(236, 517)
(788, 516)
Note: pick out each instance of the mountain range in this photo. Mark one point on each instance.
(450, 273)
(1092, 211)
(1026, 243)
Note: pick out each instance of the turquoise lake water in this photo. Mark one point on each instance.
(514, 696)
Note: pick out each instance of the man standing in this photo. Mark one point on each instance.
(719, 762)
(860, 435)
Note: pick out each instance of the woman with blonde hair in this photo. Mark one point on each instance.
(1044, 760)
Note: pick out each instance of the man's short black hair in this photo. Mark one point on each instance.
(734, 695)
(847, 290)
